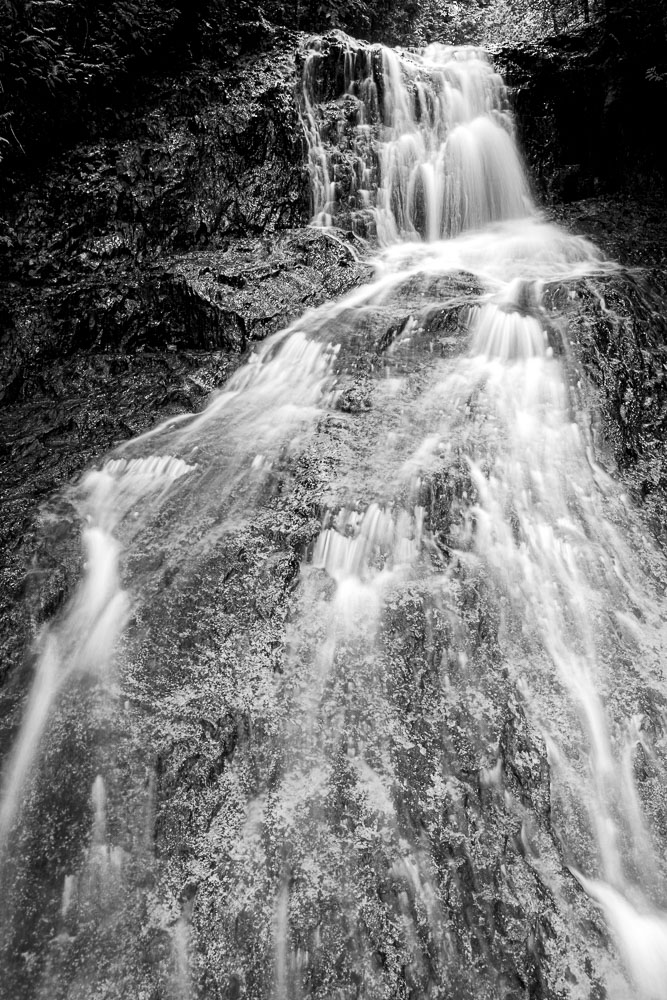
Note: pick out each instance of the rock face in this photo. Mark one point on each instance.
(189, 172)
(195, 736)
(587, 106)
(133, 263)
(619, 336)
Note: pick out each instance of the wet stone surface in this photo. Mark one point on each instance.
(149, 351)
(219, 818)
(618, 336)
(265, 797)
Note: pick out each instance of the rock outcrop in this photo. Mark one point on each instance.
(588, 106)
(137, 271)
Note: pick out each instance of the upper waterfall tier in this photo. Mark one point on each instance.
(409, 145)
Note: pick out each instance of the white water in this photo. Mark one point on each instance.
(431, 151)
(83, 643)
(431, 168)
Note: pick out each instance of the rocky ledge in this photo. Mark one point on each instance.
(136, 272)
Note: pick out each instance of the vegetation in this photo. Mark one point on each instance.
(63, 63)
(59, 57)
(517, 21)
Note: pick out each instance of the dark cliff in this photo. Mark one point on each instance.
(588, 103)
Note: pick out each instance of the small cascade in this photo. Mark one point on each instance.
(641, 935)
(356, 544)
(99, 883)
(93, 898)
(82, 644)
(510, 327)
(105, 859)
(420, 144)
(542, 526)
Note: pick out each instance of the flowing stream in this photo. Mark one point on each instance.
(420, 751)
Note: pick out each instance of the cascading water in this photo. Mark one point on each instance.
(427, 148)
(409, 767)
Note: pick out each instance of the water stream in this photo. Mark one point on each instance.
(427, 781)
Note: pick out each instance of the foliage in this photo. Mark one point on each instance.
(512, 22)
(61, 61)
(509, 22)
(457, 22)
(58, 56)
(656, 75)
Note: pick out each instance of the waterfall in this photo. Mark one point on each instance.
(363, 691)
(424, 147)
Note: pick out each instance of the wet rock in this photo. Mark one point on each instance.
(81, 249)
(356, 398)
(209, 299)
(616, 336)
(70, 411)
(190, 165)
(252, 288)
(526, 768)
(586, 104)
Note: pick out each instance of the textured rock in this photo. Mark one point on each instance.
(586, 105)
(253, 287)
(189, 171)
(217, 811)
(126, 262)
(203, 299)
(618, 338)
(103, 363)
